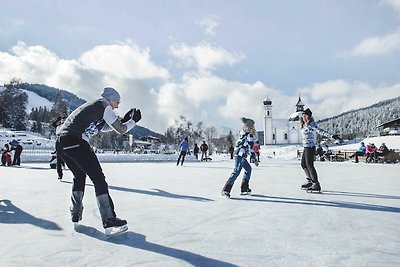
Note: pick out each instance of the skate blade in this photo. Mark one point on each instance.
(112, 231)
(245, 193)
(314, 191)
(225, 196)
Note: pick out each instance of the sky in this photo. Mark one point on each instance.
(210, 61)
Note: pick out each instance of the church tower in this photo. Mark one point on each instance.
(268, 136)
(299, 105)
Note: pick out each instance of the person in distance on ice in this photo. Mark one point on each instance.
(73, 147)
(183, 150)
(244, 147)
(309, 129)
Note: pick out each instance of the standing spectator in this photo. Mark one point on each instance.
(257, 148)
(309, 129)
(360, 152)
(196, 150)
(244, 147)
(183, 150)
(59, 161)
(73, 147)
(370, 153)
(15, 145)
(231, 150)
(203, 149)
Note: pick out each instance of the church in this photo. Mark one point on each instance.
(279, 131)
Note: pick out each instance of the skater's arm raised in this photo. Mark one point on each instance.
(114, 123)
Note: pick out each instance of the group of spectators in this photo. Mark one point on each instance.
(371, 152)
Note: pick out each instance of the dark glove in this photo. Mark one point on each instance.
(336, 137)
(136, 115)
(127, 116)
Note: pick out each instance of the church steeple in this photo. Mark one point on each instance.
(299, 105)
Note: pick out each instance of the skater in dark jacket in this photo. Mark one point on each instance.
(309, 129)
(244, 147)
(196, 151)
(203, 149)
(231, 150)
(73, 147)
(15, 145)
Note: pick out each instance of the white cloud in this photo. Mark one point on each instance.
(204, 56)
(393, 3)
(199, 95)
(208, 24)
(380, 45)
(124, 60)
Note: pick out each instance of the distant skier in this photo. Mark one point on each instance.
(244, 147)
(309, 129)
(183, 150)
(58, 160)
(196, 151)
(203, 149)
(6, 159)
(15, 145)
(257, 149)
(73, 147)
(231, 150)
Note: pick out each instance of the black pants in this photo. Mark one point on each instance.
(203, 155)
(307, 163)
(356, 154)
(17, 155)
(82, 161)
(181, 155)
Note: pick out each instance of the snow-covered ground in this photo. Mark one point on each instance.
(177, 218)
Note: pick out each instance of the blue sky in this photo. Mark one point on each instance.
(213, 61)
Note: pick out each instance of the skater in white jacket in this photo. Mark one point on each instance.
(309, 130)
(244, 148)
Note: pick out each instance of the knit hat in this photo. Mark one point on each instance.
(247, 122)
(248, 127)
(308, 112)
(111, 94)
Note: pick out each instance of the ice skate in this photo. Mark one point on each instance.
(114, 226)
(246, 192)
(226, 194)
(226, 191)
(76, 208)
(314, 188)
(244, 188)
(306, 185)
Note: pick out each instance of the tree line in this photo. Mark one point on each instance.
(13, 115)
(197, 133)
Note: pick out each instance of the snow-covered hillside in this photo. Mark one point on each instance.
(36, 101)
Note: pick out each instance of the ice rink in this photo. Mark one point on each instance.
(176, 216)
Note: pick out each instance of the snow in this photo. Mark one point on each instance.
(177, 218)
(36, 101)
